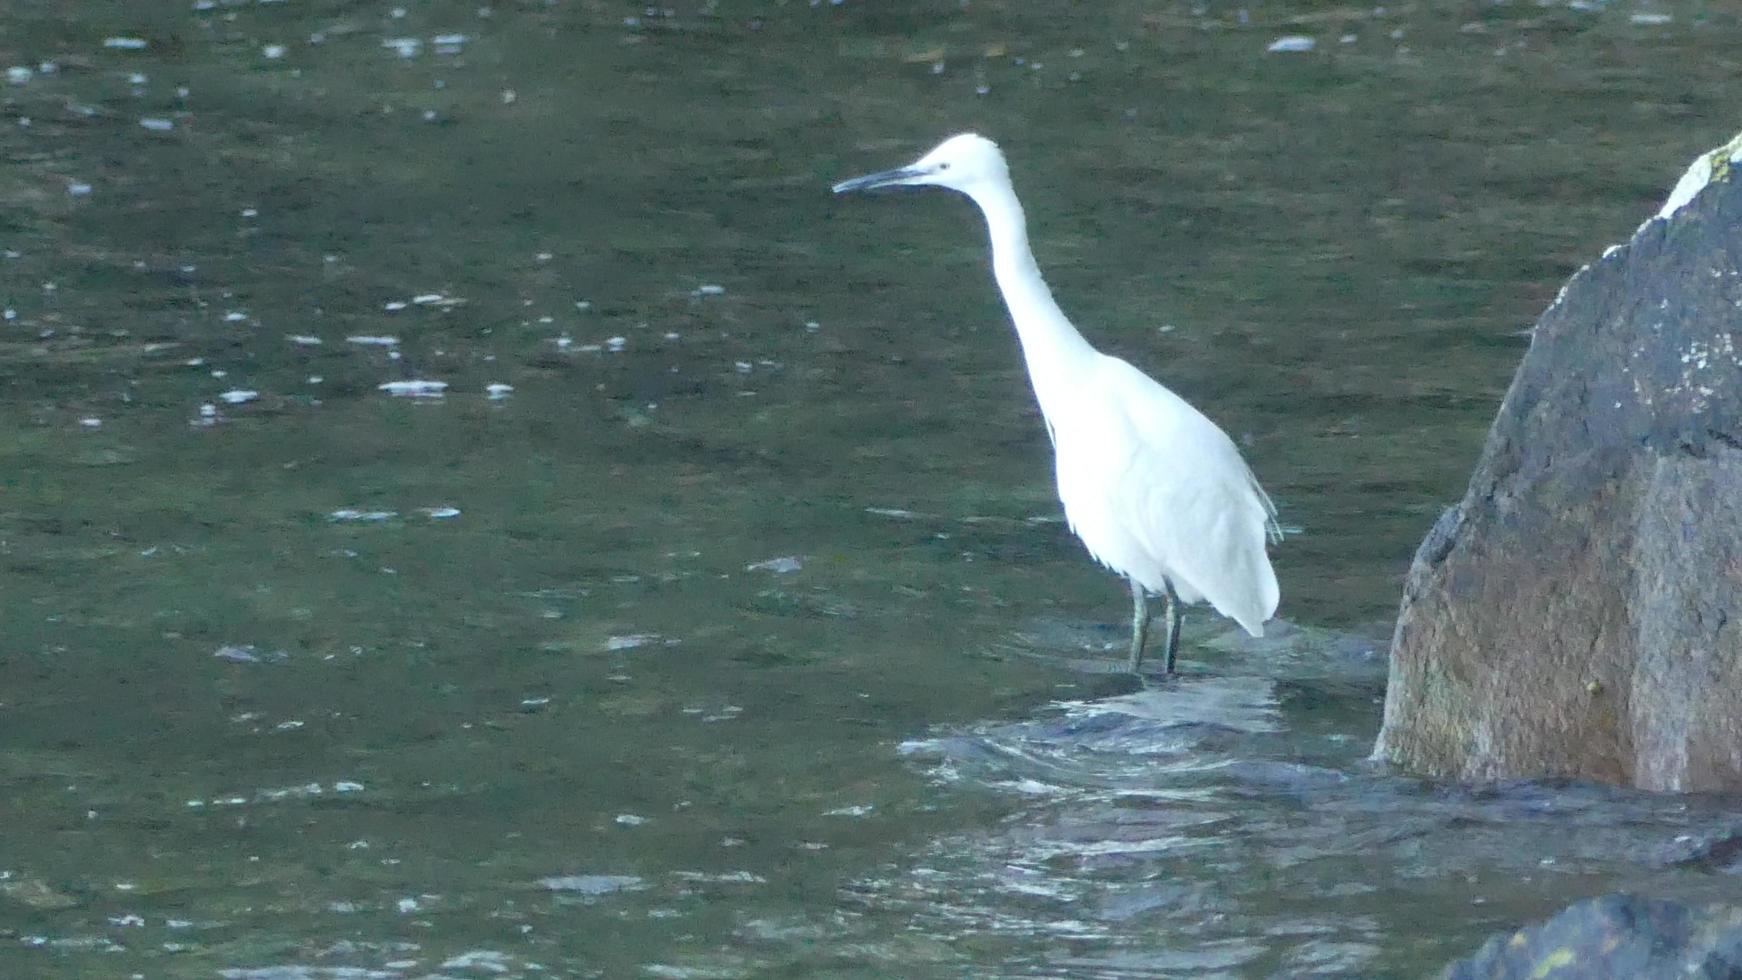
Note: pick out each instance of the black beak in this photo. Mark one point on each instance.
(873, 181)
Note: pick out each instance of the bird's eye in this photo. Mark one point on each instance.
(944, 166)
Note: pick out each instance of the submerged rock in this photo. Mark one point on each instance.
(1616, 936)
(1718, 850)
(34, 893)
(1579, 613)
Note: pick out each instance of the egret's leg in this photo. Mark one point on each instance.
(1139, 624)
(1173, 617)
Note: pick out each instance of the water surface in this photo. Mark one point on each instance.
(716, 618)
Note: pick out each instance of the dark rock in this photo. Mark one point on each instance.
(1579, 613)
(1616, 936)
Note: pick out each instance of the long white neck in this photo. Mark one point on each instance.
(1050, 345)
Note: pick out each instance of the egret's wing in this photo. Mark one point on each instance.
(1193, 502)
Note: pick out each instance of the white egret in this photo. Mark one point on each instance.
(1156, 491)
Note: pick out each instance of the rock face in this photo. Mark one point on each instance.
(1619, 937)
(1579, 613)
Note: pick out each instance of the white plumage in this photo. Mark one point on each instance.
(1155, 490)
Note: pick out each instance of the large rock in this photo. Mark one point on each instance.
(1616, 937)
(1579, 613)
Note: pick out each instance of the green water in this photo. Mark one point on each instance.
(742, 637)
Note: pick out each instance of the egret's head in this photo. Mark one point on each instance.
(965, 163)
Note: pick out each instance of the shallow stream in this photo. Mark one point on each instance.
(716, 618)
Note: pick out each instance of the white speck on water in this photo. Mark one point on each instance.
(347, 786)
(288, 726)
(721, 877)
(273, 52)
(304, 340)
(373, 341)
(413, 389)
(395, 306)
(129, 920)
(783, 565)
(91, 423)
(235, 316)
(895, 512)
(9, 314)
(442, 513)
(477, 961)
(861, 810)
(593, 884)
(425, 299)
(1650, 20)
(450, 40)
(498, 391)
(244, 653)
(406, 906)
(710, 289)
(239, 396)
(742, 367)
(19, 74)
(208, 411)
(508, 96)
(1347, 39)
(137, 78)
(544, 256)
(157, 124)
(405, 47)
(351, 515)
(124, 43)
(584, 305)
(630, 820)
(289, 792)
(1291, 43)
(250, 212)
(630, 641)
(812, 326)
(616, 344)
